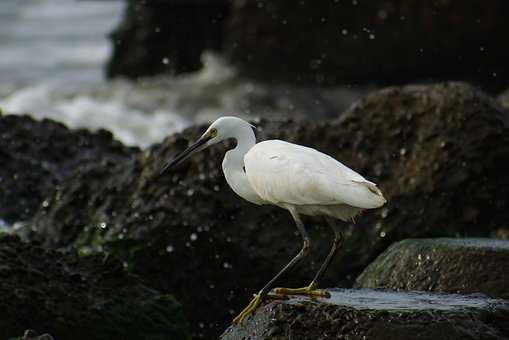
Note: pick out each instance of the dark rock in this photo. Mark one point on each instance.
(329, 42)
(438, 152)
(367, 41)
(37, 156)
(165, 36)
(75, 297)
(442, 265)
(33, 335)
(377, 315)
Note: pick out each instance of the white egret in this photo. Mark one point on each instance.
(299, 179)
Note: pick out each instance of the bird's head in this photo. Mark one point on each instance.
(221, 129)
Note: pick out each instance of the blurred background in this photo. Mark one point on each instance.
(145, 69)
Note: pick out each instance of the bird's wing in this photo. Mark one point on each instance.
(282, 172)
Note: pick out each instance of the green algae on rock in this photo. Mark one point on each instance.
(442, 265)
(80, 298)
(378, 315)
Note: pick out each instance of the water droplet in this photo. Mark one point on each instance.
(169, 248)
(382, 14)
(103, 225)
(193, 237)
(201, 325)
(382, 234)
(402, 151)
(190, 192)
(227, 265)
(125, 264)
(45, 204)
(166, 61)
(344, 31)
(216, 187)
(371, 36)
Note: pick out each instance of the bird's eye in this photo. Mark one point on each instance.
(213, 132)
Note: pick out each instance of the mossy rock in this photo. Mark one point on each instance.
(80, 298)
(377, 315)
(443, 265)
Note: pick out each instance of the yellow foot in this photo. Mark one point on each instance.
(310, 291)
(249, 309)
(257, 300)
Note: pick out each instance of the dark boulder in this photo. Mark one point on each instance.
(368, 41)
(331, 42)
(157, 37)
(37, 156)
(378, 315)
(74, 297)
(442, 265)
(438, 152)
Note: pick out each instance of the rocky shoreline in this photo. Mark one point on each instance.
(438, 152)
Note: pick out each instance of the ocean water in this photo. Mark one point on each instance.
(52, 56)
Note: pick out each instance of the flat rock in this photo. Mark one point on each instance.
(376, 314)
(442, 265)
(73, 297)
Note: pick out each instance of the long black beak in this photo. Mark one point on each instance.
(184, 155)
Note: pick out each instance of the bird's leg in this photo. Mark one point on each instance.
(263, 293)
(312, 289)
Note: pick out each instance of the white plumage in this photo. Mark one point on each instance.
(283, 174)
(294, 177)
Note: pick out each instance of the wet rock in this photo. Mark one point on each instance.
(33, 335)
(442, 265)
(365, 41)
(371, 314)
(157, 37)
(437, 152)
(36, 156)
(75, 297)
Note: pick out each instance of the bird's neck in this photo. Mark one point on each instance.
(233, 165)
